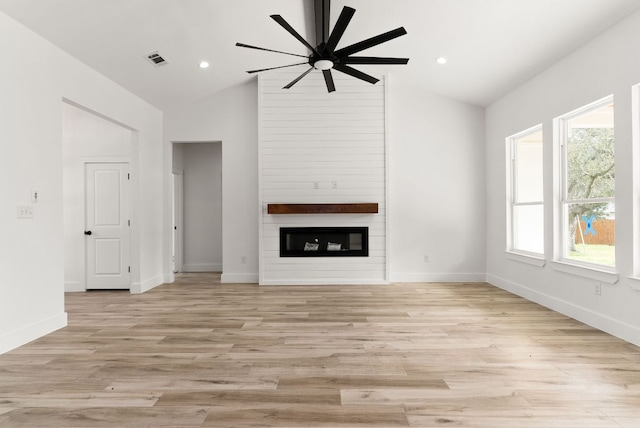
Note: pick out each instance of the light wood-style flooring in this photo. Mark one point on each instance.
(198, 353)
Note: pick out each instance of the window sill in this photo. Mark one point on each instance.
(587, 272)
(526, 259)
(635, 282)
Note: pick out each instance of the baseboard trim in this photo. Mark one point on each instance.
(31, 332)
(202, 267)
(329, 281)
(74, 287)
(438, 277)
(144, 286)
(607, 324)
(239, 278)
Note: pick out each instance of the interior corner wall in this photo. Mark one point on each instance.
(437, 187)
(229, 116)
(36, 78)
(606, 65)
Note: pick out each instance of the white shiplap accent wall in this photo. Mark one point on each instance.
(337, 143)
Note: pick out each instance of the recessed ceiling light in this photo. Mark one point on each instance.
(441, 60)
(203, 64)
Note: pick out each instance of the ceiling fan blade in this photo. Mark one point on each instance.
(373, 41)
(355, 73)
(242, 45)
(275, 68)
(323, 12)
(280, 20)
(339, 28)
(373, 60)
(297, 79)
(328, 79)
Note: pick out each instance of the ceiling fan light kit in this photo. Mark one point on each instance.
(323, 64)
(324, 56)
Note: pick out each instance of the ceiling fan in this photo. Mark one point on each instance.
(324, 55)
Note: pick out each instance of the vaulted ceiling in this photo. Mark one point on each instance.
(492, 46)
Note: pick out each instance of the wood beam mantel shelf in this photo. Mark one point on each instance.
(357, 208)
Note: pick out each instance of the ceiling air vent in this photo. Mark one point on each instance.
(156, 59)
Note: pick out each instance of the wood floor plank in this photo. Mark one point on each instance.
(251, 398)
(105, 417)
(309, 416)
(199, 353)
(77, 400)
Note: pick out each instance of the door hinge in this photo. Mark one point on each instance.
(128, 176)
(129, 269)
(128, 222)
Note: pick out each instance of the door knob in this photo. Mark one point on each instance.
(87, 232)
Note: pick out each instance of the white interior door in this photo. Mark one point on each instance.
(107, 226)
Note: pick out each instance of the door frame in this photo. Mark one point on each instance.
(178, 219)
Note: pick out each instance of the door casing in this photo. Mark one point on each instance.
(107, 217)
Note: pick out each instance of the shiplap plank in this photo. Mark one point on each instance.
(310, 163)
(320, 130)
(330, 116)
(309, 274)
(320, 111)
(336, 152)
(321, 102)
(324, 187)
(327, 139)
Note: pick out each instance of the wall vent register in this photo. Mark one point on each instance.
(324, 242)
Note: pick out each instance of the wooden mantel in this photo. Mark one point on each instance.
(357, 208)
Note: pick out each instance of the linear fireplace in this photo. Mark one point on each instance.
(324, 242)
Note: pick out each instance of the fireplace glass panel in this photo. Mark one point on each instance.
(324, 241)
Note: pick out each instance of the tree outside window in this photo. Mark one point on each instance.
(589, 185)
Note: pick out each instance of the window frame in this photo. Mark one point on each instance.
(635, 138)
(512, 194)
(563, 201)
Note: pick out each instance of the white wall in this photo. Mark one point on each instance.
(85, 137)
(229, 116)
(432, 140)
(437, 189)
(36, 77)
(607, 65)
(202, 206)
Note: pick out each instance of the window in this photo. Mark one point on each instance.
(525, 232)
(587, 201)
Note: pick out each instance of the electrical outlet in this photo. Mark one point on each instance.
(316, 185)
(25, 211)
(334, 184)
(243, 260)
(426, 258)
(598, 289)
